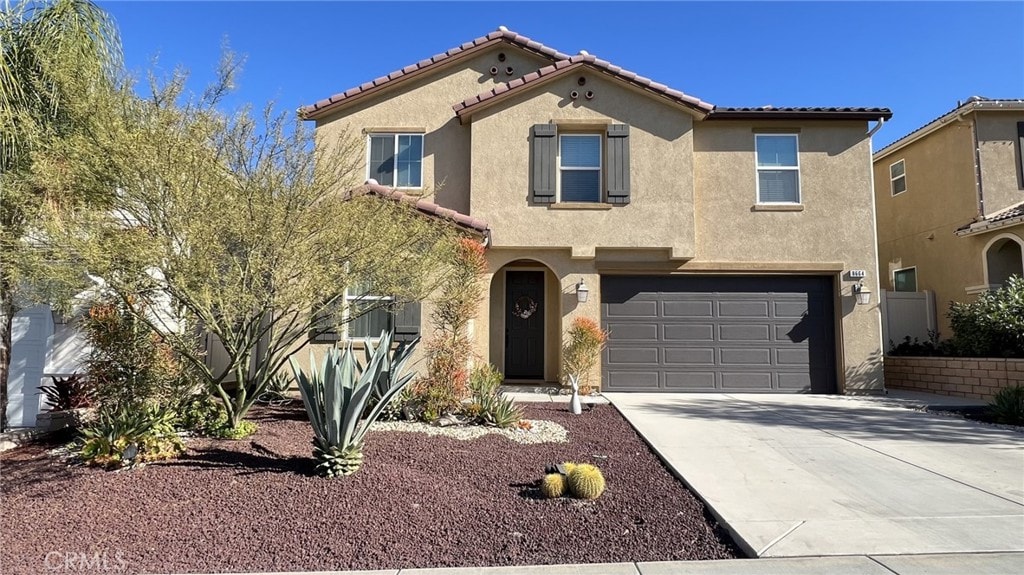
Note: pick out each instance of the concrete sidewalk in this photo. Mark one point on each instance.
(973, 564)
(798, 476)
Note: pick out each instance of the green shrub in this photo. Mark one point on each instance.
(124, 436)
(487, 405)
(129, 365)
(1007, 406)
(204, 415)
(244, 429)
(991, 326)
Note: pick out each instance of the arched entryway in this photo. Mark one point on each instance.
(1003, 258)
(525, 310)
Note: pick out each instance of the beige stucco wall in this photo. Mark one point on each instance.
(425, 104)
(660, 213)
(1000, 160)
(916, 228)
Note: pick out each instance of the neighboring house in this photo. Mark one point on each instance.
(950, 200)
(715, 244)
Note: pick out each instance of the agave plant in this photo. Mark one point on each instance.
(337, 395)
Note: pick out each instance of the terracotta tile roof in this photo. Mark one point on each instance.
(471, 224)
(805, 113)
(500, 35)
(974, 102)
(565, 66)
(1009, 216)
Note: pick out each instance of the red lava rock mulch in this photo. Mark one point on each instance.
(418, 501)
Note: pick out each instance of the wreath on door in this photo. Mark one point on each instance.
(524, 307)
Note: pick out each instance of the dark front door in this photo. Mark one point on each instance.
(524, 325)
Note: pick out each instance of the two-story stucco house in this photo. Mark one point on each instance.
(950, 198)
(714, 244)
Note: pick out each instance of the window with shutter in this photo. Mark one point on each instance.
(580, 167)
(362, 314)
(778, 168)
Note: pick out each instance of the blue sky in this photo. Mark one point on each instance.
(916, 58)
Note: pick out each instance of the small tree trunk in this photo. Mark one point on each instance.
(6, 322)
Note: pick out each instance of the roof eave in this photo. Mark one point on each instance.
(474, 226)
(465, 111)
(985, 226)
(399, 77)
(943, 120)
(798, 115)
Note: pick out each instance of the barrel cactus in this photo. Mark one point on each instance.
(553, 485)
(586, 482)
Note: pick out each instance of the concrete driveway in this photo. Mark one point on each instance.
(830, 475)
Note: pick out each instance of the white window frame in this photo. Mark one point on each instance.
(599, 169)
(346, 316)
(894, 272)
(796, 168)
(892, 180)
(394, 137)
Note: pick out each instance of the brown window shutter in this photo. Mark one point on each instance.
(407, 322)
(544, 163)
(617, 172)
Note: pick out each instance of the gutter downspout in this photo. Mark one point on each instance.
(878, 126)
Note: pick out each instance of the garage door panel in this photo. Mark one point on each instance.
(746, 380)
(695, 308)
(690, 380)
(725, 333)
(794, 381)
(633, 355)
(744, 332)
(795, 309)
(689, 356)
(792, 357)
(727, 309)
(701, 332)
(634, 309)
(745, 356)
(642, 332)
(634, 380)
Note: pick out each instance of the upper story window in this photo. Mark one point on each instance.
(904, 280)
(396, 160)
(778, 169)
(898, 177)
(570, 165)
(579, 167)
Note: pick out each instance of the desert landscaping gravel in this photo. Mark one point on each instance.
(419, 501)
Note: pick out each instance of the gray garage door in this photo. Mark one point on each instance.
(719, 334)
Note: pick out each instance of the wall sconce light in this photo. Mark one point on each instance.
(582, 292)
(863, 294)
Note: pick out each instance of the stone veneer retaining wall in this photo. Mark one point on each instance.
(977, 378)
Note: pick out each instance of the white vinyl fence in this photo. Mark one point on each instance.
(907, 314)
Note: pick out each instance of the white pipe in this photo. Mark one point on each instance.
(881, 122)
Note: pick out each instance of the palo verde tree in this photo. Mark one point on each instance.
(235, 225)
(53, 53)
